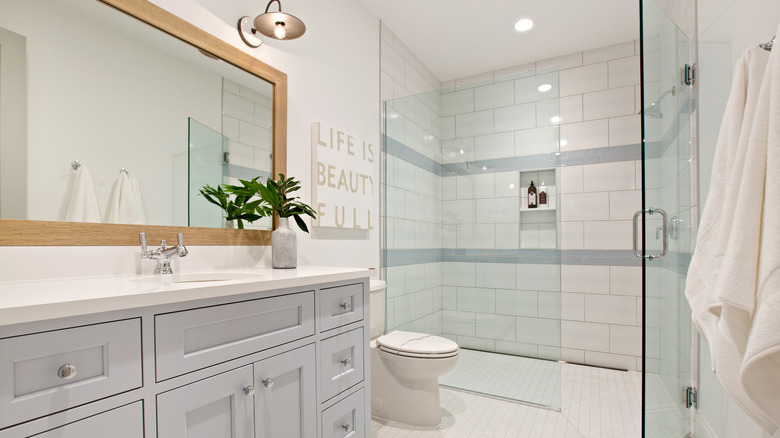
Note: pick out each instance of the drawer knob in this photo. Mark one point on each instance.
(346, 362)
(345, 305)
(249, 390)
(268, 383)
(347, 427)
(67, 371)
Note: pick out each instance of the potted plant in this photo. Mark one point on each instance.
(239, 208)
(278, 200)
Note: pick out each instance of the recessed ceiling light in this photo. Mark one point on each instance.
(544, 88)
(524, 25)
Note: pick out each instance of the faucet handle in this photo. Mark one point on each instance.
(181, 239)
(143, 241)
(163, 244)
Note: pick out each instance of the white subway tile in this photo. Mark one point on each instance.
(496, 211)
(585, 336)
(623, 205)
(507, 184)
(433, 272)
(536, 141)
(242, 154)
(449, 189)
(491, 146)
(230, 86)
(571, 235)
(476, 236)
(496, 275)
(610, 309)
(538, 331)
(572, 307)
(549, 305)
(609, 103)
(625, 340)
(459, 274)
(625, 280)
(475, 80)
(548, 236)
(414, 81)
(472, 299)
(608, 235)
(414, 206)
(494, 96)
(514, 117)
(607, 53)
(433, 324)
(527, 89)
(476, 123)
(507, 236)
(476, 186)
(473, 343)
(403, 234)
(459, 102)
(498, 327)
(230, 127)
(403, 307)
(448, 128)
(238, 107)
(585, 79)
(264, 117)
(571, 108)
(529, 236)
(620, 175)
(548, 112)
(458, 151)
(584, 135)
(423, 303)
(585, 279)
(571, 180)
(449, 297)
(392, 62)
(414, 278)
(572, 356)
(255, 96)
(516, 72)
(516, 302)
(559, 63)
(585, 206)
(539, 277)
(458, 212)
(549, 353)
(394, 200)
(458, 323)
(610, 360)
(624, 72)
(516, 348)
(625, 130)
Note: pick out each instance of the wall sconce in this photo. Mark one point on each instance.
(277, 25)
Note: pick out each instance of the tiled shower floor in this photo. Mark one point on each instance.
(595, 403)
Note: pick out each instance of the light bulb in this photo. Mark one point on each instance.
(279, 31)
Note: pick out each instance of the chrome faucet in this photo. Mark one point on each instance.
(164, 253)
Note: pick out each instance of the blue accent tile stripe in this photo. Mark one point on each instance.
(403, 257)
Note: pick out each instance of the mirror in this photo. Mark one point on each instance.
(104, 138)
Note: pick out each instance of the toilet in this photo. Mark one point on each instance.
(405, 369)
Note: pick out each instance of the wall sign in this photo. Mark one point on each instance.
(342, 178)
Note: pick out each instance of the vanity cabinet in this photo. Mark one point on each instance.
(288, 362)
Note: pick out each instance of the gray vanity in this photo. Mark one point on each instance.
(250, 353)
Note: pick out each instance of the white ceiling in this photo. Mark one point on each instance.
(460, 38)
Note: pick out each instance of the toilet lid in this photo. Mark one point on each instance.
(417, 344)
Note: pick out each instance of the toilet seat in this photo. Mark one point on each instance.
(418, 345)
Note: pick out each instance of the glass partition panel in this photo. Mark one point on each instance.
(207, 149)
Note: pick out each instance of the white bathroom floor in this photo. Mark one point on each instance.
(595, 403)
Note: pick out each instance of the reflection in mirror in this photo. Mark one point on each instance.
(114, 93)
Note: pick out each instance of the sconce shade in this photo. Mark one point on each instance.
(279, 25)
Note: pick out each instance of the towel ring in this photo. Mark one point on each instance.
(75, 165)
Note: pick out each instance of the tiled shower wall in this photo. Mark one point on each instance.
(557, 284)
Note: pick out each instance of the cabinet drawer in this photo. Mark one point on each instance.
(194, 339)
(340, 306)
(124, 422)
(341, 363)
(102, 359)
(346, 418)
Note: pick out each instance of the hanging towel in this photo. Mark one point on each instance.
(761, 366)
(138, 199)
(721, 278)
(122, 206)
(82, 203)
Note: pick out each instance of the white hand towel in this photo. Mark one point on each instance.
(761, 366)
(82, 203)
(721, 279)
(138, 199)
(122, 206)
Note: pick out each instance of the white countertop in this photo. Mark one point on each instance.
(28, 301)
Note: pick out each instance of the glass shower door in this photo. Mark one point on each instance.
(667, 216)
(206, 157)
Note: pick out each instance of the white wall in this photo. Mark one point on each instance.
(726, 29)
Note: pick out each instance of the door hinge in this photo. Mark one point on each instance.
(691, 397)
(226, 157)
(689, 74)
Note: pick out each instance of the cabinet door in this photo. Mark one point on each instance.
(123, 422)
(286, 400)
(220, 406)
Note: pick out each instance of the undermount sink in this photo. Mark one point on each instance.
(203, 277)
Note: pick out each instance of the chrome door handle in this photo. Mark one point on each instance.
(664, 232)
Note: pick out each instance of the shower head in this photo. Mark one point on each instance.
(654, 109)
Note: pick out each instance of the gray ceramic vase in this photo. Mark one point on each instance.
(284, 247)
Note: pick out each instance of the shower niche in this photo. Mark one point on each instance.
(539, 226)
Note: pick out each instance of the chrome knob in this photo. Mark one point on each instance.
(345, 305)
(67, 372)
(346, 427)
(346, 362)
(268, 383)
(249, 390)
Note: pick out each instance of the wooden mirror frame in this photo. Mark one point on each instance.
(50, 233)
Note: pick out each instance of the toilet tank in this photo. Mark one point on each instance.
(377, 304)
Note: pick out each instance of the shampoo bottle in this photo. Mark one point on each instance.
(532, 196)
(543, 195)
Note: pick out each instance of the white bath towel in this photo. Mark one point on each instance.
(721, 279)
(138, 199)
(761, 366)
(82, 203)
(122, 206)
